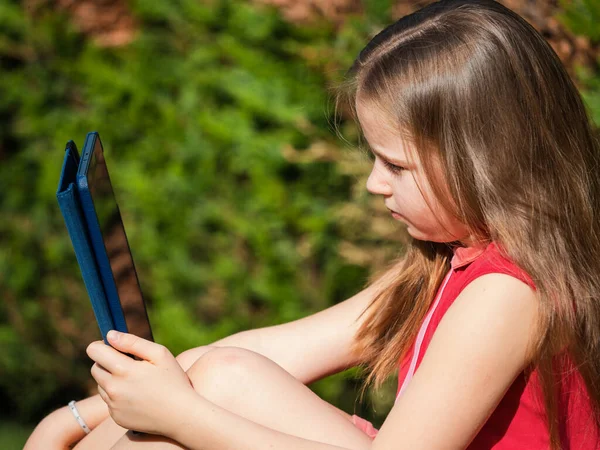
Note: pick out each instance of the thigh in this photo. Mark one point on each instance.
(254, 387)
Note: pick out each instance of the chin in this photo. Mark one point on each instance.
(420, 236)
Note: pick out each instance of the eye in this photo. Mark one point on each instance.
(392, 167)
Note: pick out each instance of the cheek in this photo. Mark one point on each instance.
(402, 187)
(428, 217)
(422, 207)
(409, 198)
(449, 228)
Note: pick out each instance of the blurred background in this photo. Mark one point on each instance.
(243, 206)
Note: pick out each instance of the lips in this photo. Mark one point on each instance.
(396, 215)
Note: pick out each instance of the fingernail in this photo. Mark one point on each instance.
(113, 335)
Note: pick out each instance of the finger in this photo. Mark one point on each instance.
(100, 374)
(109, 358)
(137, 346)
(103, 395)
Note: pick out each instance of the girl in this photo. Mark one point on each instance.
(483, 149)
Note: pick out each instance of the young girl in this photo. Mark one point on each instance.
(483, 149)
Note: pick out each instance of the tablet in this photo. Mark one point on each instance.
(109, 241)
(68, 201)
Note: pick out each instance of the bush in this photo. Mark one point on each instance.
(239, 205)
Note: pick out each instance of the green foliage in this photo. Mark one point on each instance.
(13, 435)
(209, 121)
(591, 92)
(379, 10)
(582, 17)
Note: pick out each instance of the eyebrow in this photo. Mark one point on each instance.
(400, 162)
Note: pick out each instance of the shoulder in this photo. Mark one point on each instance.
(494, 260)
(495, 296)
(488, 279)
(494, 288)
(478, 349)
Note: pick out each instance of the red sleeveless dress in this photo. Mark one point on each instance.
(519, 420)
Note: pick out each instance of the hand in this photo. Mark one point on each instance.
(140, 395)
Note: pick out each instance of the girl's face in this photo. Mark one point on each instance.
(398, 181)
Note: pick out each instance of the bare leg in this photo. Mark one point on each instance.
(254, 387)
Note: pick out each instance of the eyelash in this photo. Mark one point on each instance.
(388, 165)
(393, 168)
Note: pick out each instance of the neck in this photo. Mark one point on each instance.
(472, 241)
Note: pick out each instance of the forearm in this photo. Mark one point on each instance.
(248, 339)
(202, 425)
(60, 429)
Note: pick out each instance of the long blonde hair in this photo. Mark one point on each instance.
(474, 86)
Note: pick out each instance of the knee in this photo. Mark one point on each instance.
(187, 358)
(223, 373)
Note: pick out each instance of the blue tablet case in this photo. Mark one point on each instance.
(68, 200)
(95, 234)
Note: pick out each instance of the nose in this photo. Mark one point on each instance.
(377, 182)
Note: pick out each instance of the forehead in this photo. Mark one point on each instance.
(380, 131)
(373, 119)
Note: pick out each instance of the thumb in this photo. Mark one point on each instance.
(137, 346)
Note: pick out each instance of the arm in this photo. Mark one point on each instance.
(200, 425)
(309, 348)
(477, 351)
(60, 430)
